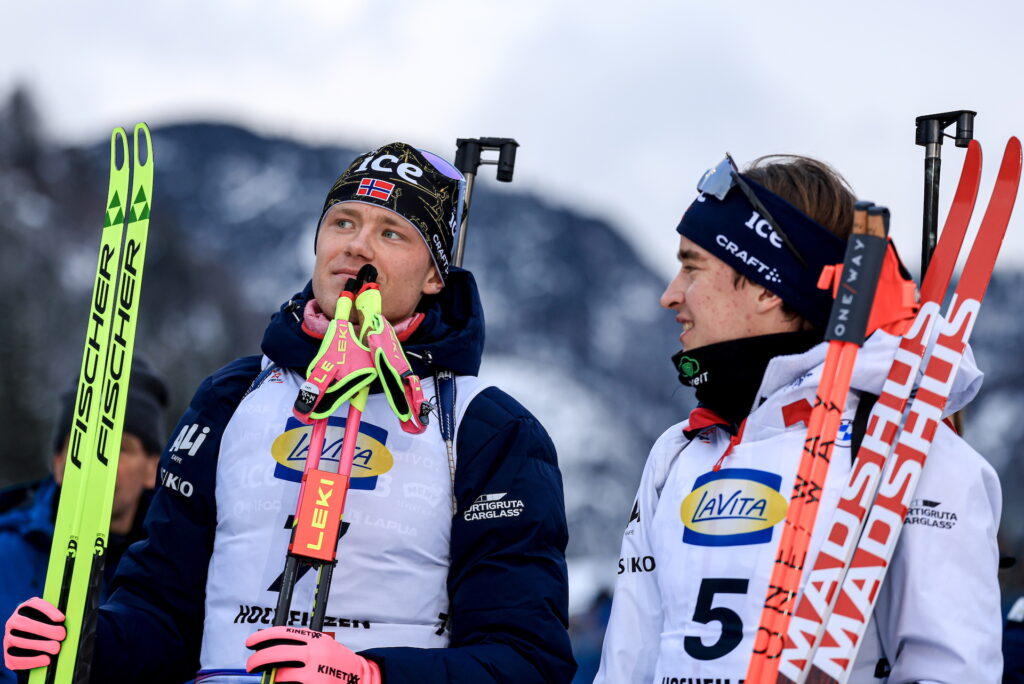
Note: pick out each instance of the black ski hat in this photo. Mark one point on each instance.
(144, 410)
(419, 186)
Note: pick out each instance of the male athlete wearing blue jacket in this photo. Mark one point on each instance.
(451, 564)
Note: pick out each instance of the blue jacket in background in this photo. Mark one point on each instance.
(26, 531)
(27, 517)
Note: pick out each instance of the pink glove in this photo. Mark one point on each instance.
(303, 656)
(33, 634)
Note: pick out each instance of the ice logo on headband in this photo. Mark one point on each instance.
(764, 229)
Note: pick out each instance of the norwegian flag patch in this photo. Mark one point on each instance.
(375, 188)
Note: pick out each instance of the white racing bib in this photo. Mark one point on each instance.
(389, 585)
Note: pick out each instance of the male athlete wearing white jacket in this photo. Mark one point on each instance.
(699, 547)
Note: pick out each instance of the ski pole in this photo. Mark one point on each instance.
(468, 158)
(322, 492)
(853, 284)
(929, 134)
(325, 572)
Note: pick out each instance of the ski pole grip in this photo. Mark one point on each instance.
(855, 293)
(507, 160)
(878, 221)
(930, 129)
(467, 155)
(964, 129)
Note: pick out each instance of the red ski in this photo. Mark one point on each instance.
(854, 286)
(897, 484)
(820, 591)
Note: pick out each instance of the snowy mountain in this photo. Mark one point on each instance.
(574, 329)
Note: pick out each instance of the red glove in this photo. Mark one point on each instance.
(33, 635)
(303, 656)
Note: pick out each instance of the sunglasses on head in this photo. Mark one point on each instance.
(720, 179)
(442, 165)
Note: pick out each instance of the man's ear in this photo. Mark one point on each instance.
(767, 300)
(152, 465)
(433, 283)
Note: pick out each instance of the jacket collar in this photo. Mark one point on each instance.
(451, 335)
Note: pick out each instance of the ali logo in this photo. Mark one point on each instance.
(190, 439)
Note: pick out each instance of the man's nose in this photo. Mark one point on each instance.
(672, 296)
(359, 244)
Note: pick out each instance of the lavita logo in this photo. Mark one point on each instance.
(732, 507)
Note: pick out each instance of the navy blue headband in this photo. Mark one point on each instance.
(733, 231)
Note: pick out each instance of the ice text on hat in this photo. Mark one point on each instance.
(764, 229)
(407, 171)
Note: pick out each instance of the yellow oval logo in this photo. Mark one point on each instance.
(732, 508)
(371, 457)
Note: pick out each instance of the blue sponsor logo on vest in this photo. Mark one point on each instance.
(845, 434)
(732, 507)
(371, 459)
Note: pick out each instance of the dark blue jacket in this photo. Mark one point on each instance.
(507, 585)
(26, 530)
(26, 533)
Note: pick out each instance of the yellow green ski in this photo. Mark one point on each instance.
(75, 571)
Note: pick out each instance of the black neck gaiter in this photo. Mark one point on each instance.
(727, 375)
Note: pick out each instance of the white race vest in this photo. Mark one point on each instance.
(389, 586)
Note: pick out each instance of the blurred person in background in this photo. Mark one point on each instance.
(29, 511)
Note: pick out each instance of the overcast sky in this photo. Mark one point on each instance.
(618, 111)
